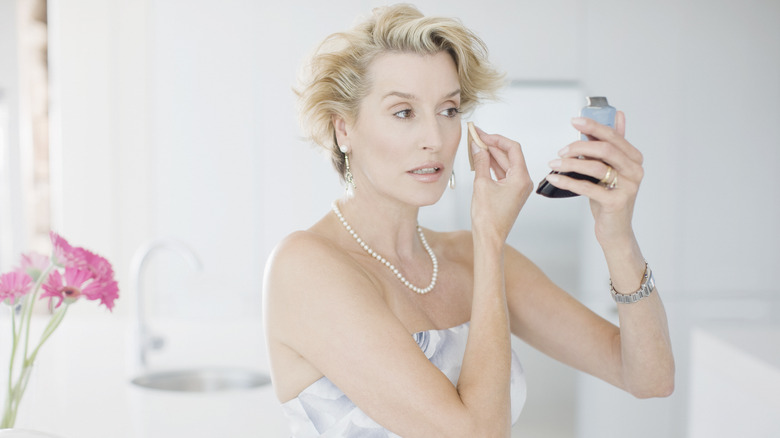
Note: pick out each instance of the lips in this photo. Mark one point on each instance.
(426, 170)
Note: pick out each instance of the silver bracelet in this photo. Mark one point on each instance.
(647, 286)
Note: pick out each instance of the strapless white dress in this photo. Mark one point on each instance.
(323, 410)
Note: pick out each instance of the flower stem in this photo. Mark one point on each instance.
(27, 317)
(54, 322)
(9, 409)
(21, 386)
(14, 344)
(16, 389)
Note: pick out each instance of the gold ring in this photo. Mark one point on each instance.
(606, 180)
(612, 184)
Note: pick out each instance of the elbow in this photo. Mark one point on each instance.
(667, 390)
(659, 390)
(659, 387)
(656, 384)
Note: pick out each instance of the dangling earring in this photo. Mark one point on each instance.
(348, 175)
(348, 178)
(452, 180)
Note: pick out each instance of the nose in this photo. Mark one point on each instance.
(432, 134)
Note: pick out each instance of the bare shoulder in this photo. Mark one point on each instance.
(299, 243)
(298, 250)
(305, 273)
(314, 295)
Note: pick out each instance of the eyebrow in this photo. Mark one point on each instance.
(413, 97)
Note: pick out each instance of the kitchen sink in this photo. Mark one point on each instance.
(203, 380)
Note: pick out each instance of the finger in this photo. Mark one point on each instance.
(604, 133)
(620, 123)
(500, 156)
(599, 152)
(512, 151)
(590, 190)
(499, 170)
(509, 156)
(594, 168)
(497, 140)
(481, 159)
(499, 161)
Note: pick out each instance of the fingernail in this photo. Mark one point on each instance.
(563, 151)
(578, 121)
(475, 148)
(553, 177)
(554, 164)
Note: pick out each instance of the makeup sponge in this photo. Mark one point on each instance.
(473, 137)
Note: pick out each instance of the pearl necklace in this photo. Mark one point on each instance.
(387, 263)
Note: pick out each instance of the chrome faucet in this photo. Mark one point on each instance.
(147, 341)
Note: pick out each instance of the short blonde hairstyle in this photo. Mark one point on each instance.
(335, 80)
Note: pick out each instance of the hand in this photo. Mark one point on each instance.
(613, 208)
(496, 202)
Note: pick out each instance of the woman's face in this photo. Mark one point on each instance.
(404, 140)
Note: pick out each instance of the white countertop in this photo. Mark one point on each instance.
(81, 387)
(735, 380)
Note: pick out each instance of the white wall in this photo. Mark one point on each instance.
(12, 235)
(99, 148)
(176, 118)
(699, 82)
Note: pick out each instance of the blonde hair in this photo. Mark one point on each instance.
(335, 80)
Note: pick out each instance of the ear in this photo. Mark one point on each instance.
(340, 125)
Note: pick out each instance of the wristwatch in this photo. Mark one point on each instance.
(647, 286)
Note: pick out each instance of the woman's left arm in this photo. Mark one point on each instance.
(637, 356)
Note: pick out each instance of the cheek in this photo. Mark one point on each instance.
(381, 149)
(452, 139)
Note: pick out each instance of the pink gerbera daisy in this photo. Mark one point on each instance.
(76, 283)
(100, 283)
(63, 254)
(14, 285)
(34, 264)
(67, 288)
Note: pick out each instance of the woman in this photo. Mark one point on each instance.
(376, 327)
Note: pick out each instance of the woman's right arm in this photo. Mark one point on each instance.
(321, 305)
(485, 374)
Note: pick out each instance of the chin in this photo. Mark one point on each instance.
(427, 197)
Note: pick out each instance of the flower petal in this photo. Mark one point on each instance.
(105, 291)
(76, 277)
(85, 270)
(53, 287)
(62, 252)
(14, 285)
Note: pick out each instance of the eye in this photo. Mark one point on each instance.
(404, 114)
(450, 112)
